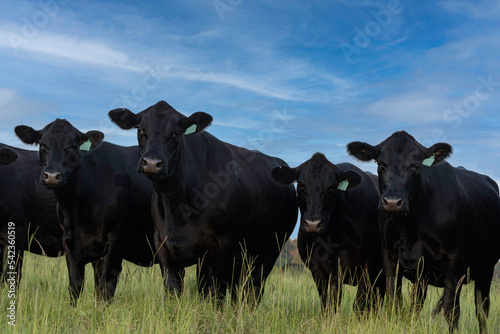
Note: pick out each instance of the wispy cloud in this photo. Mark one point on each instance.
(421, 106)
(485, 9)
(69, 48)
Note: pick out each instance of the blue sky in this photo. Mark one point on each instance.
(288, 78)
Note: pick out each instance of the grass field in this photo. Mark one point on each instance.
(290, 305)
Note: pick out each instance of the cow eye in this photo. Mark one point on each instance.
(330, 192)
(176, 133)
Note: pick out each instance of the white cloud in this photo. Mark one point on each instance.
(70, 48)
(14, 107)
(92, 52)
(476, 9)
(422, 106)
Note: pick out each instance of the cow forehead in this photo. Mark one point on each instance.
(319, 173)
(60, 130)
(398, 151)
(165, 118)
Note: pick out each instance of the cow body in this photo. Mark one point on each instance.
(437, 222)
(215, 204)
(338, 239)
(105, 203)
(30, 207)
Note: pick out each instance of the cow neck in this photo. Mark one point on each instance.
(178, 192)
(69, 194)
(185, 176)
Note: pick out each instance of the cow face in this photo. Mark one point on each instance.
(61, 147)
(318, 183)
(399, 160)
(160, 133)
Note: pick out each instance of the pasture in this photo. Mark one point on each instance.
(290, 305)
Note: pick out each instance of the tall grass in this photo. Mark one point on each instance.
(290, 305)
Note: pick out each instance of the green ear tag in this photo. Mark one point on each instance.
(86, 146)
(429, 161)
(191, 129)
(343, 185)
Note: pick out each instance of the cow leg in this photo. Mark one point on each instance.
(418, 295)
(174, 280)
(330, 292)
(252, 279)
(259, 277)
(482, 301)
(204, 276)
(253, 285)
(76, 273)
(365, 296)
(449, 304)
(97, 265)
(393, 278)
(111, 269)
(218, 284)
(173, 276)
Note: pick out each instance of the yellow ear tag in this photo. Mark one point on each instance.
(191, 129)
(429, 161)
(343, 185)
(86, 146)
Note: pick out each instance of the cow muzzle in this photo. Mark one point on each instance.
(393, 204)
(52, 179)
(151, 165)
(312, 226)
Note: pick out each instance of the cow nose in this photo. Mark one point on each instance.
(312, 226)
(392, 203)
(152, 165)
(52, 178)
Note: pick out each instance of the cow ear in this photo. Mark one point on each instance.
(91, 140)
(363, 151)
(124, 118)
(348, 179)
(440, 151)
(7, 156)
(27, 134)
(195, 123)
(284, 174)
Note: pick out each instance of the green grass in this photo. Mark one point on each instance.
(290, 305)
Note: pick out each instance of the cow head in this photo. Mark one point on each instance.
(399, 160)
(318, 183)
(160, 132)
(61, 147)
(7, 156)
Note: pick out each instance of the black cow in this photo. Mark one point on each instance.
(28, 214)
(215, 204)
(105, 203)
(338, 228)
(437, 222)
